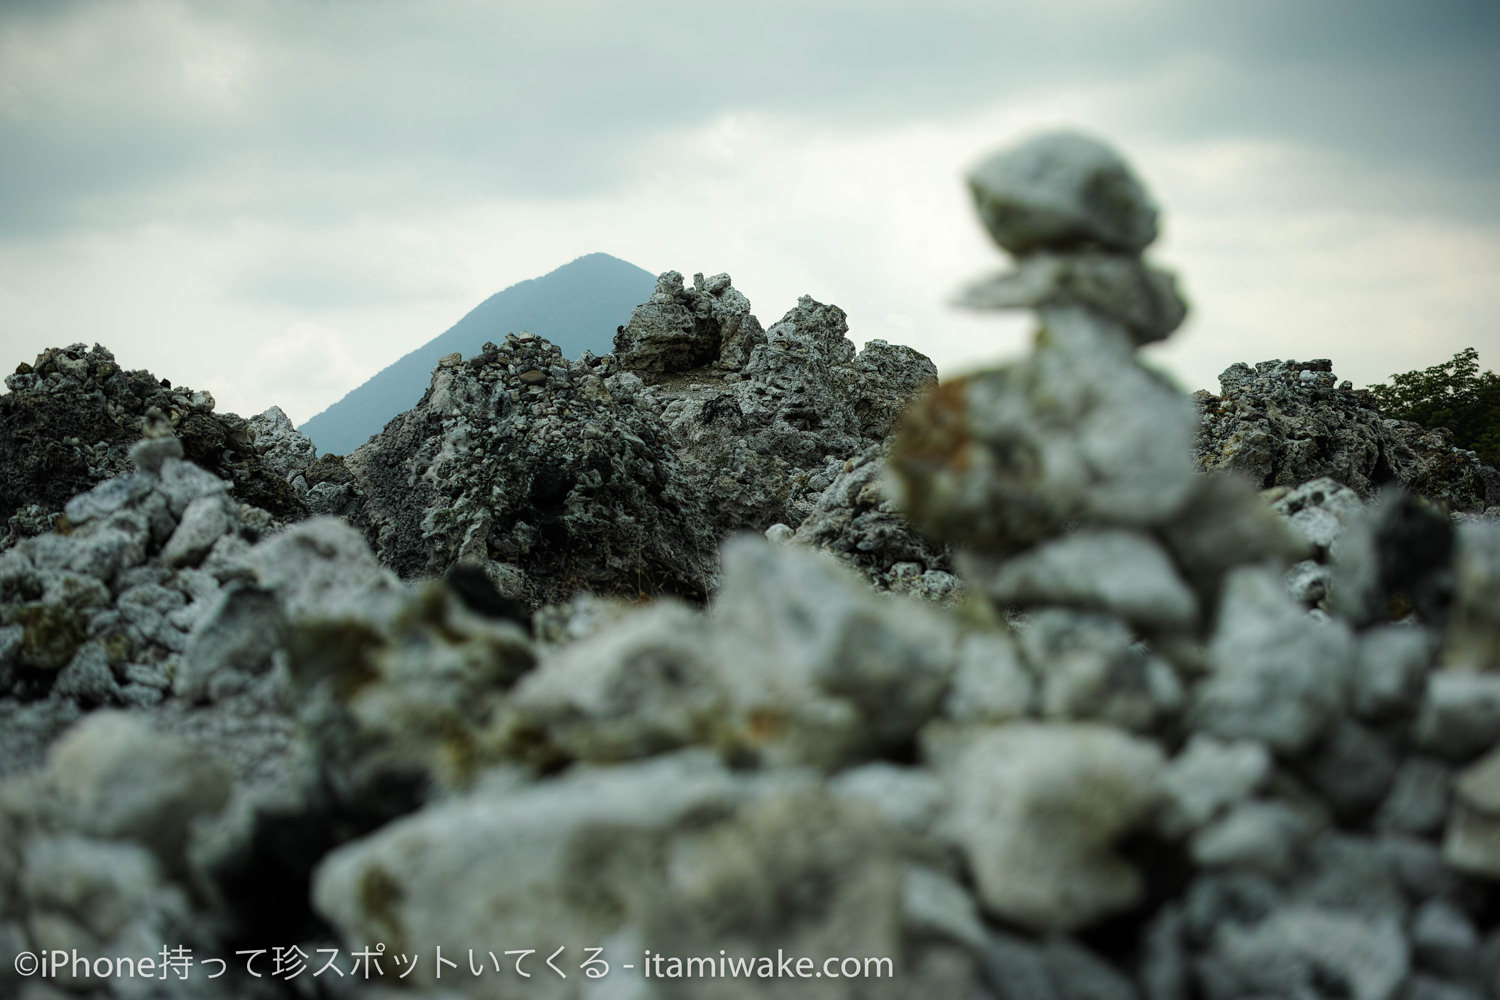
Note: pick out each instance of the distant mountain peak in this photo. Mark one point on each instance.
(576, 306)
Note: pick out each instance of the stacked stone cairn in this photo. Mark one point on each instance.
(1319, 791)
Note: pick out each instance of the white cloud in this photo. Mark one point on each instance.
(1377, 293)
(301, 368)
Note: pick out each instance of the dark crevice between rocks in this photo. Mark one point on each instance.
(268, 876)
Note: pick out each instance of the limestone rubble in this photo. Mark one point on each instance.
(621, 474)
(1283, 423)
(72, 415)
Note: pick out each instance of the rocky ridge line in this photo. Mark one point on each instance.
(1285, 423)
(71, 417)
(620, 474)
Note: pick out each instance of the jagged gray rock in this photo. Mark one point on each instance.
(1318, 510)
(284, 449)
(620, 474)
(684, 328)
(764, 437)
(71, 416)
(523, 463)
(857, 520)
(1284, 423)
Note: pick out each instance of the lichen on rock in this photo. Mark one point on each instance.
(549, 484)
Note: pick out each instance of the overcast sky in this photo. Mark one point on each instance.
(274, 200)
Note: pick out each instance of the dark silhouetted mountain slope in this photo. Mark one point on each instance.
(578, 306)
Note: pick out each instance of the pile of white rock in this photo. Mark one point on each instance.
(621, 474)
(133, 594)
(1285, 423)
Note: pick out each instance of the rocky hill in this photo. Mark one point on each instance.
(621, 474)
(1174, 736)
(71, 416)
(1283, 423)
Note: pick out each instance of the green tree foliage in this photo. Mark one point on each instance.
(1455, 395)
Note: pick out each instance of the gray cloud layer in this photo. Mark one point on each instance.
(449, 99)
(292, 123)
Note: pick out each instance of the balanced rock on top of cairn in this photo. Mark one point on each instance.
(1063, 191)
(1073, 214)
(1065, 482)
(1077, 432)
